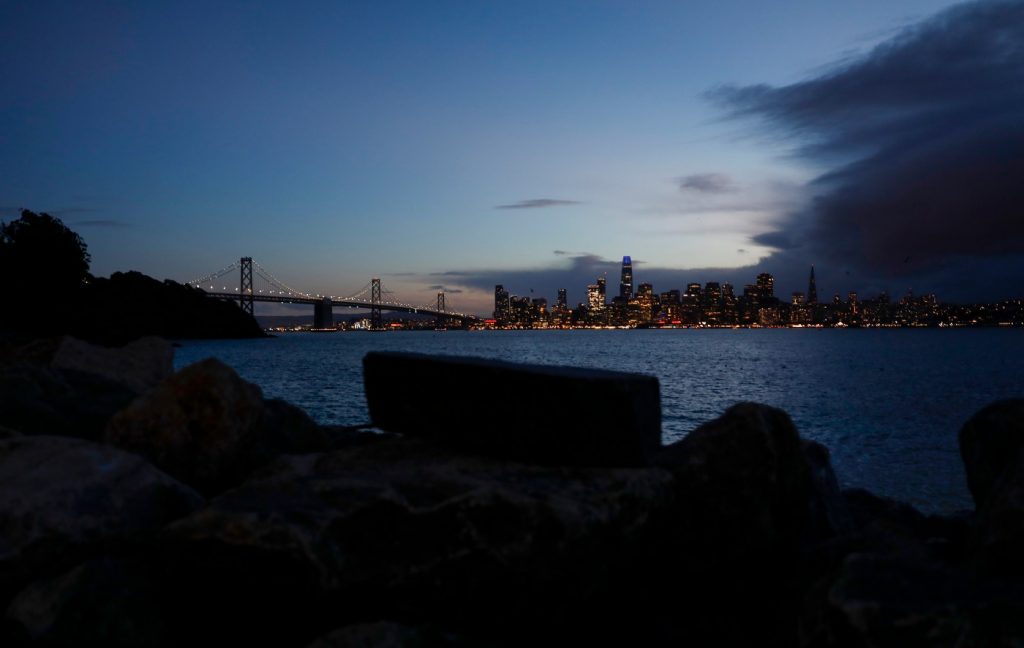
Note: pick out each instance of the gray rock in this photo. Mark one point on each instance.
(889, 527)
(63, 500)
(102, 602)
(139, 365)
(568, 416)
(39, 399)
(209, 428)
(879, 600)
(399, 527)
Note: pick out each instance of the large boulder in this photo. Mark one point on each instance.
(992, 447)
(743, 482)
(68, 387)
(403, 530)
(572, 416)
(138, 365)
(744, 494)
(209, 428)
(63, 500)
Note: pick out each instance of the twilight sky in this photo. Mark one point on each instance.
(463, 144)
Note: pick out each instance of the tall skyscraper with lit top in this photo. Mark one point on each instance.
(626, 281)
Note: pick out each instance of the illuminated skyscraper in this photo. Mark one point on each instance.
(712, 293)
(602, 289)
(520, 311)
(766, 285)
(812, 289)
(563, 301)
(626, 282)
(501, 304)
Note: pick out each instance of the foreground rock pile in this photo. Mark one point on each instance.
(144, 507)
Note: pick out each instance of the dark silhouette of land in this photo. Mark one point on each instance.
(51, 292)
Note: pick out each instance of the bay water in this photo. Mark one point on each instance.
(887, 403)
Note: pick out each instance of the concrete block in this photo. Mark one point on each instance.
(535, 414)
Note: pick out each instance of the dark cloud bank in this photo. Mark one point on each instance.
(922, 140)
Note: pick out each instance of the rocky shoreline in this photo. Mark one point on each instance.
(139, 506)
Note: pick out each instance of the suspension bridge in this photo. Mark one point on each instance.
(257, 284)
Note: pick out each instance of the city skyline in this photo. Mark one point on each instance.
(810, 291)
(721, 304)
(454, 146)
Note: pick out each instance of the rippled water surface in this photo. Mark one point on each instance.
(887, 403)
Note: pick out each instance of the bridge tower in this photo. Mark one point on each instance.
(441, 323)
(375, 321)
(245, 292)
(323, 314)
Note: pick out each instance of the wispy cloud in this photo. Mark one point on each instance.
(709, 183)
(446, 289)
(539, 203)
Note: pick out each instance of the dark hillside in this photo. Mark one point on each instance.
(130, 305)
(52, 293)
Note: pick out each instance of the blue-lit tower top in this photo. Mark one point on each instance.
(626, 282)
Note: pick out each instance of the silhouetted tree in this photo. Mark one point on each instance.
(44, 252)
(44, 266)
